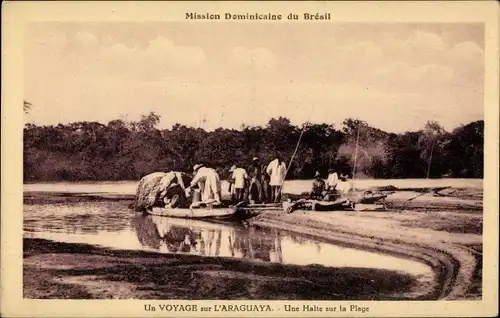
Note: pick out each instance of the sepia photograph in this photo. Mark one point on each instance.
(266, 156)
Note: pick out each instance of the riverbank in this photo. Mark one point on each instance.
(450, 241)
(78, 271)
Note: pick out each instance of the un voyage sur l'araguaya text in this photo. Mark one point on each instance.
(257, 16)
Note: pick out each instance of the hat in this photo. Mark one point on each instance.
(317, 174)
(232, 168)
(255, 159)
(197, 166)
(343, 176)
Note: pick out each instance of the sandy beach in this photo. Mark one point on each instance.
(447, 238)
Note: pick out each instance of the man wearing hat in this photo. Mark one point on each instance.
(209, 182)
(239, 178)
(319, 187)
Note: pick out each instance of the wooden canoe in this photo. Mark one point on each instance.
(371, 199)
(329, 206)
(243, 211)
(201, 213)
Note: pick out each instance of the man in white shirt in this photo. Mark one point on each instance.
(209, 182)
(239, 179)
(333, 178)
(343, 186)
(276, 170)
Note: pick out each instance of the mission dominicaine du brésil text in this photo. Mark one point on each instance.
(258, 16)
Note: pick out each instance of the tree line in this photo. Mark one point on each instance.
(128, 150)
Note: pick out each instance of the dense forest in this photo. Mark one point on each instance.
(121, 150)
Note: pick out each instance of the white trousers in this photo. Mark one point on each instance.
(210, 188)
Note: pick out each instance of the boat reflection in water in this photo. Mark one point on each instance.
(169, 235)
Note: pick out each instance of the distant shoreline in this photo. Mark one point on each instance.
(124, 181)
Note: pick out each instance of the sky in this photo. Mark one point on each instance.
(216, 74)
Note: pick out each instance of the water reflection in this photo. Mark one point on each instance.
(169, 235)
(112, 225)
(208, 239)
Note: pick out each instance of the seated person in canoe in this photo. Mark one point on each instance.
(343, 198)
(318, 188)
(320, 199)
(332, 180)
(320, 191)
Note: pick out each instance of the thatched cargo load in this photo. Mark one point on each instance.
(151, 189)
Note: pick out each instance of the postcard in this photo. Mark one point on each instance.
(250, 159)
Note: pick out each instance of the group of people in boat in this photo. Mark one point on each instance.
(335, 186)
(260, 184)
(256, 184)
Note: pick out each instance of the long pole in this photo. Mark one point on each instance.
(355, 158)
(296, 148)
(291, 160)
(430, 159)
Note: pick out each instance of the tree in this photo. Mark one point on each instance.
(147, 123)
(466, 150)
(405, 160)
(364, 147)
(122, 150)
(431, 141)
(181, 145)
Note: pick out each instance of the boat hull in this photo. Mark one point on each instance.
(204, 213)
(221, 213)
(330, 206)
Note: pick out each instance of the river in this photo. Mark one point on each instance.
(112, 225)
(64, 212)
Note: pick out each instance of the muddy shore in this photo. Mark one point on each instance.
(80, 271)
(449, 240)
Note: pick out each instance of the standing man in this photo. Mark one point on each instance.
(264, 182)
(255, 188)
(239, 178)
(209, 182)
(276, 170)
